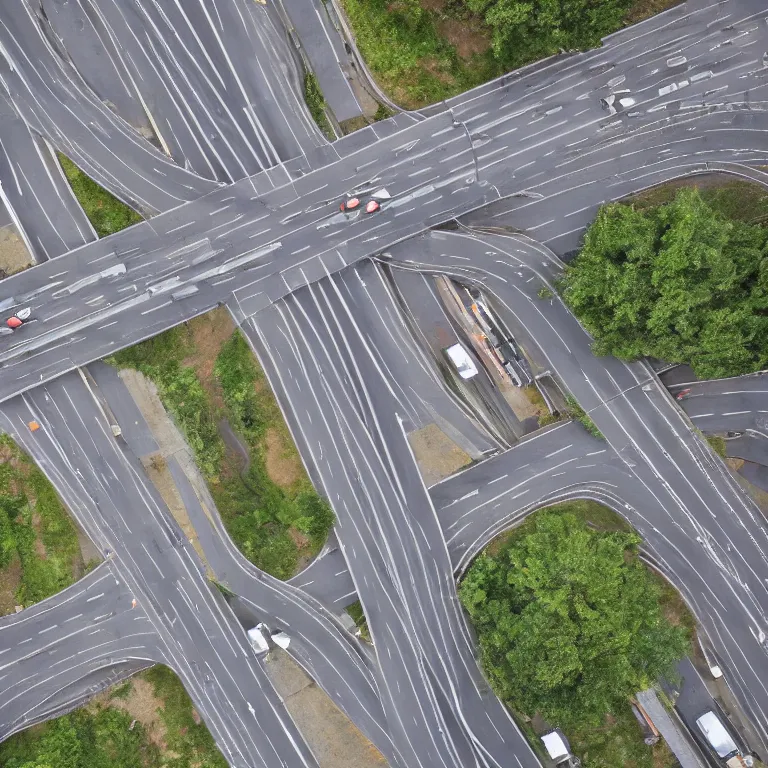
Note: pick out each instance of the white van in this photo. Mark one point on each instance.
(256, 638)
(461, 360)
(721, 741)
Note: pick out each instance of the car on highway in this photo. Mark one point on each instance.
(350, 205)
(461, 360)
(713, 733)
(257, 638)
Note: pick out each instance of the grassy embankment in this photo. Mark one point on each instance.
(618, 740)
(423, 51)
(39, 550)
(356, 612)
(733, 199)
(167, 733)
(205, 373)
(105, 212)
(316, 103)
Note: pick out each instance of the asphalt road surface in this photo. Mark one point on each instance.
(543, 151)
(104, 488)
(707, 535)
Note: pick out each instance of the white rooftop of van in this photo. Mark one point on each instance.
(257, 639)
(555, 746)
(462, 361)
(715, 733)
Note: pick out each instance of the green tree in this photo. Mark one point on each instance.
(528, 29)
(679, 282)
(568, 620)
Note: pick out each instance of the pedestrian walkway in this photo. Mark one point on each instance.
(670, 730)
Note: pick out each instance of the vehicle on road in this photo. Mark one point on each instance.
(257, 639)
(461, 360)
(17, 320)
(350, 205)
(558, 749)
(718, 738)
(372, 207)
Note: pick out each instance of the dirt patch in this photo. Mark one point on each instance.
(10, 581)
(39, 546)
(142, 705)
(435, 68)
(14, 256)
(157, 470)
(208, 333)
(734, 464)
(332, 737)
(436, 454)
(283, 464)
(470, 37)
(521, 402)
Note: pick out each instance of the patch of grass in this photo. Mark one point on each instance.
(383, 112)
(408, 57)
(275, 527)
(737, 200)
(545, 292)
(105, 212)
(109, 733)
(35, 528)
(316, 103)
(356, 612)
(423, 52)
(644, 9)
(578, 413)
(190, 741)
(161, 359)
(717, 444)
(83, 739)
(122, 691)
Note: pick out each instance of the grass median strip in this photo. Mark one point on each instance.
(39, 549)
(213, 386)
(106, 213)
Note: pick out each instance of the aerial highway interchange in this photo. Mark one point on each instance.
(240, 192)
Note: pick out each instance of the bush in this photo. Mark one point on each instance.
(105, 212)
(316, 103)
(569, 620)
(679, 282)
(578, 413)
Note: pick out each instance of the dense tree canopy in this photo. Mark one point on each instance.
(568, 620)
(679, 282)
(524, 30)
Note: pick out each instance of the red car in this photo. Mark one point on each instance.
(349, 205)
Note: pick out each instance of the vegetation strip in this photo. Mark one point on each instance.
(39, 549)
(106, 213)
(317, 107)
(277, 525)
